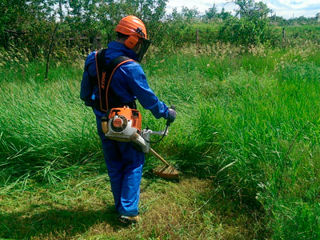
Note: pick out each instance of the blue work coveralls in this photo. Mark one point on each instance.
(123, 161)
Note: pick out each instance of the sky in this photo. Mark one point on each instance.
(284, 8)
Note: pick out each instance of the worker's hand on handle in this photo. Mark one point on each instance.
(171, 115)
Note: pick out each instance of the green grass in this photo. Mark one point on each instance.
(41, 129)
(306, 32)
(82, 208)
(247, 122)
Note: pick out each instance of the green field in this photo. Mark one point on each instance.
(247, 139)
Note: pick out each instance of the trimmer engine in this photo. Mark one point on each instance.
(124, 125)
(121, 124)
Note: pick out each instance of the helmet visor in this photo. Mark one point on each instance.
(143, 49)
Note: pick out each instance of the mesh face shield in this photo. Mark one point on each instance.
(144, 45)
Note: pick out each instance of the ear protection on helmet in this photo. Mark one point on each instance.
(131, 41)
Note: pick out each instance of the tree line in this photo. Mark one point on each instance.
(34, 24)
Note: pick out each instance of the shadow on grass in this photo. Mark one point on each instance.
(56, 223)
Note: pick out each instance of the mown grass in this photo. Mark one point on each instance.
(247, 120)
(82, 208)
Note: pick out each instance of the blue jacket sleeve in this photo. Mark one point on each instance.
(139, 87)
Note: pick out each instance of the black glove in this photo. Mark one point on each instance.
(171, 115)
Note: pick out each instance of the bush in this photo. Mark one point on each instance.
(251, 28)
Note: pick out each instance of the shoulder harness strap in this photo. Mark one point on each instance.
(105, 73)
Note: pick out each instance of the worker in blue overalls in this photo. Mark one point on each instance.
(128, 83)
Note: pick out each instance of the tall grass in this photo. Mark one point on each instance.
(44, 127)
(248, 120)
(252, 123)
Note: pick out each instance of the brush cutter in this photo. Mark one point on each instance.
(124, 125)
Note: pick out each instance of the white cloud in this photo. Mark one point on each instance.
(285, 8)
(298, 4)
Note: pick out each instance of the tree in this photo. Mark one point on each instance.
(28, 24)
(252, 10)
(224, 15)
(211, 13)
(250, 26)
(190, 14)
(24, 23)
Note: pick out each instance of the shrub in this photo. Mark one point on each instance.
(250, 26)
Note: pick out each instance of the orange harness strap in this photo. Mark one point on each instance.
(106, 72)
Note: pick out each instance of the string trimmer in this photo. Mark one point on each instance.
(124, 125)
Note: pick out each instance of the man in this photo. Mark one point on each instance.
(127, 84)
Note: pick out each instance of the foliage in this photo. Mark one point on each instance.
(87, 25)
(187, 15)
(224, 15)
(211, 13)
(29, 24)
(251, 27)
(251, 9)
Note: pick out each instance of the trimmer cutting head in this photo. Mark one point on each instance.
(167, 172)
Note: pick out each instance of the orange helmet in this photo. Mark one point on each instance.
(134, 28)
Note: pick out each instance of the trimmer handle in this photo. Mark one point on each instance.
(171, 115)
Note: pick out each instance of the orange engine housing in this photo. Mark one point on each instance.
(130, 114)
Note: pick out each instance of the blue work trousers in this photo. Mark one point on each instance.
(124, 165)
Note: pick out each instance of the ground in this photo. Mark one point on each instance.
(82, 208)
